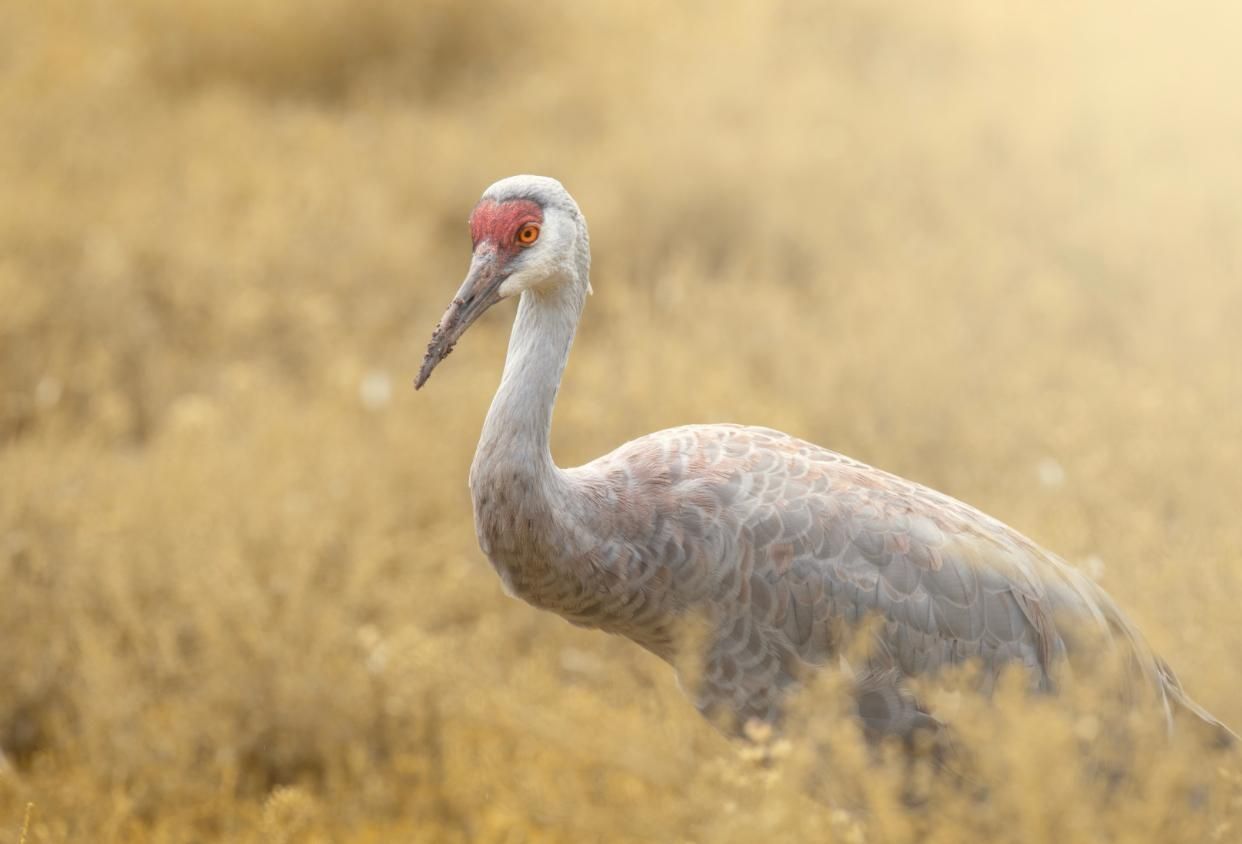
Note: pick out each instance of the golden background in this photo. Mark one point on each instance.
(996, 248)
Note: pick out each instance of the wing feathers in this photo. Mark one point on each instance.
(784, 545)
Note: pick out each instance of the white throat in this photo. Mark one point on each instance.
(516, 433)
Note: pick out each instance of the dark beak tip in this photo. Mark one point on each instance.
(435, 354)
(423, 374)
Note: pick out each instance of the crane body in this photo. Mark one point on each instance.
(782, 548)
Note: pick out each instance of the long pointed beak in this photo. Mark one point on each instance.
(478, 292)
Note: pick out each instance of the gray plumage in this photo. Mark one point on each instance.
(781, 547)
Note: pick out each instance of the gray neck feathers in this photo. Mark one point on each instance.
(516, 433)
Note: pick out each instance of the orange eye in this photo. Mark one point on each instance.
(528, 234)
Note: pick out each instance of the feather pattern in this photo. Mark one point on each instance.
(785, 550)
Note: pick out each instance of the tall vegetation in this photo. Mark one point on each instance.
(240, 597)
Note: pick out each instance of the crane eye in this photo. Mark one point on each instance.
(528, 234)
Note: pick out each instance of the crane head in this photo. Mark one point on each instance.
(526, 233)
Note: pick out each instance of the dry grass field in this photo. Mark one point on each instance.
(997, 250)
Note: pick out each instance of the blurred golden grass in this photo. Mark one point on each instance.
(996, 251)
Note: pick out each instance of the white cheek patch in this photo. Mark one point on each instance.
(543, 263)
(536, 269)
(513, 285)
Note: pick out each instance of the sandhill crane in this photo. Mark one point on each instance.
(780, 545)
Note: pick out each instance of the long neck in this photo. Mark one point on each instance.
(519, 422)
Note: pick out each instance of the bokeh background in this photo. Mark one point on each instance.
(996, 248)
